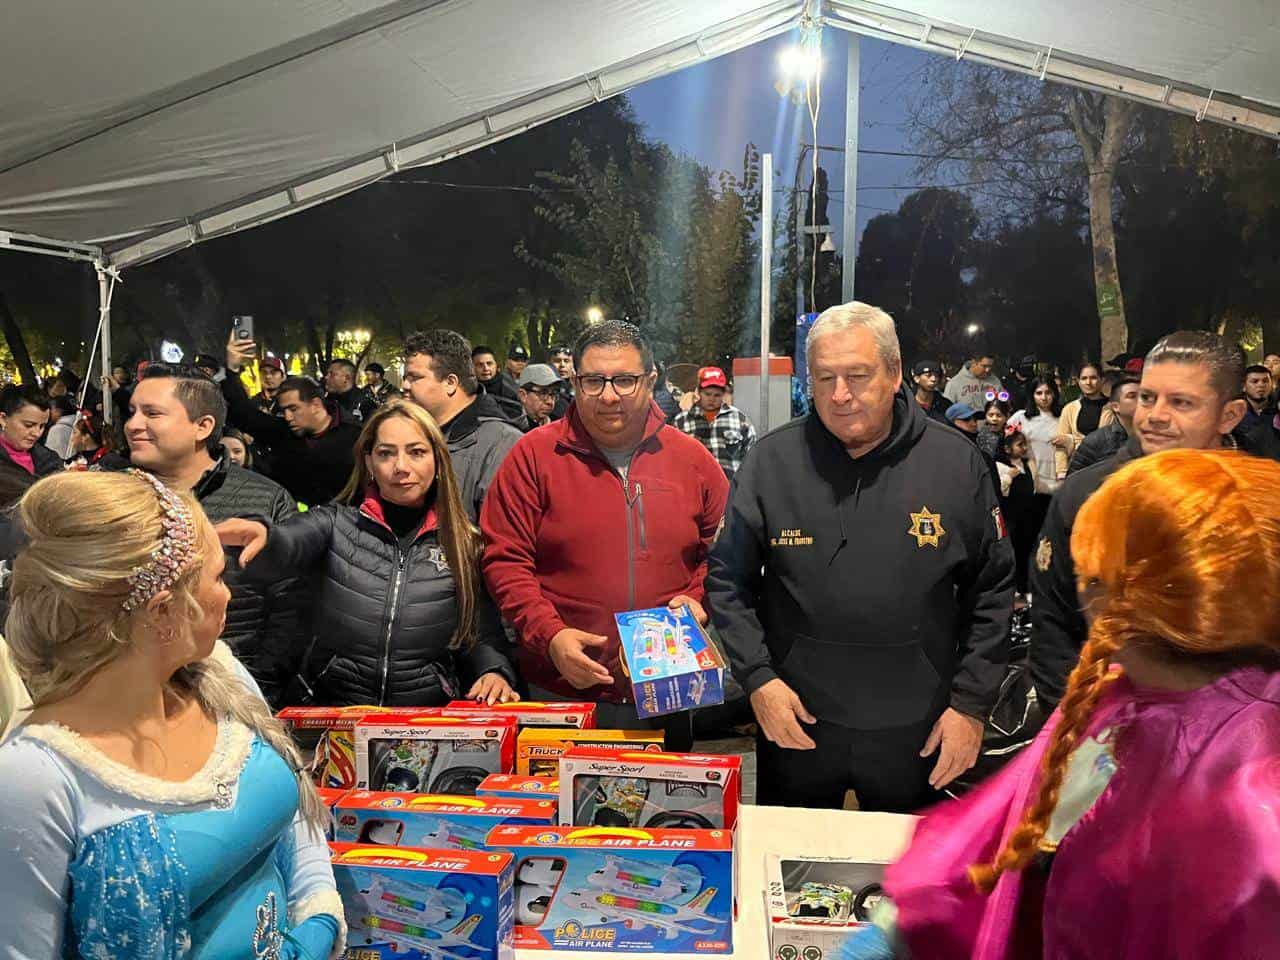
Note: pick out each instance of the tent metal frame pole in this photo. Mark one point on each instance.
(766, 281)
(63, 249)
(1049, 63)
(106, 286)
(853, 94)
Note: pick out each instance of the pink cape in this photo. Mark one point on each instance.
(1179, 858)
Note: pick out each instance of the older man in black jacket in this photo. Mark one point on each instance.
(862, 584)
(175, 421)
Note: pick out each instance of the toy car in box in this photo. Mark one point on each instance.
(411, 904)
(627, 788)
(431, 754)
(532, 713)
(672, 662)
(515, 787)
(642, 891)
(815, 905)
(327, 735)
(436, 821)
(539, 749)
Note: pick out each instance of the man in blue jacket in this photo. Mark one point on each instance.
(862, 583)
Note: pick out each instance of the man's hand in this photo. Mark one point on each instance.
(239, 352)
(248, 534)
(780, 712)
(492, 688)
(960, 738)
(568, 651)
(694, 606)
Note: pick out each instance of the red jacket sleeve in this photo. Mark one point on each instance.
(509, 521)
(715, 496)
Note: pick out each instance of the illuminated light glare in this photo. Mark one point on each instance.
(972, 329)
(594, 314)
(630, 903)
(800, 62)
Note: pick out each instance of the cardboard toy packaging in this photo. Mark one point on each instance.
(813, 905)
(624, 891)
(515, 787)
(330, 797)
(539, 749)
(608, 787)
(327, 736)
(431, 754)
(672, 662)
(430, 820)
(407, 904)
(533, 713)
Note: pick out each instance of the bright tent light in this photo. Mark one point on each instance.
(594, 314)
(972, 329)
(800, 62)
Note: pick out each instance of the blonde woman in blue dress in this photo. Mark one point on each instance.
(153, 807)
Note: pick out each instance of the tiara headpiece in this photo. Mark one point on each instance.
(172, 557)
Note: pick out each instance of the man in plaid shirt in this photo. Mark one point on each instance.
(721, 427)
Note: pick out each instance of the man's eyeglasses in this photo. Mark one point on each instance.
(543, 393)
(624, 385)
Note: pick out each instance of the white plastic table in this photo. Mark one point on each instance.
(789, 832)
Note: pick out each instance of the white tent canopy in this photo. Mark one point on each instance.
(129, 131)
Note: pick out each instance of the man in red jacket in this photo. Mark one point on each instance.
(610, 510)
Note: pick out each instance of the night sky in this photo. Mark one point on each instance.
(711, 111)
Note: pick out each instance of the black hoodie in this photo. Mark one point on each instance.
(880, 588)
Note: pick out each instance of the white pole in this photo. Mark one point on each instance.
(850, 239)
(104, 328)
(766, 278)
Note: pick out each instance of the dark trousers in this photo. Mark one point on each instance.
(883, 767)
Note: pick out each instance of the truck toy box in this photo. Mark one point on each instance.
(327, 736)
(654, 891)
(627, 788)
(672, 662)
(431, 820)
(539, 749)
(533, 713)
(512, 786)
(426, 754)
(411, 904)
(815, 905)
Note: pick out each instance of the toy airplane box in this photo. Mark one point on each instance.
(431, 754)
(641, 891)
(407, 904)
(330, 797)
(430, 820)
(531, 713)
(605, 787)
(819, 906)
(511, 786)
(327, 735)
(672, 662)
(539, 749)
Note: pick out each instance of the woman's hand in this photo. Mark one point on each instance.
(492, 688)
(1059, 441)
(248, 534)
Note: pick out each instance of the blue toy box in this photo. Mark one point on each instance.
(407, 904)
(435, 821)
(672, 662)
(621, 890)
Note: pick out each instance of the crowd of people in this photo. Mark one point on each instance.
(473, 533)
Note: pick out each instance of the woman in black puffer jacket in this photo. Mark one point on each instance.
(401, 614)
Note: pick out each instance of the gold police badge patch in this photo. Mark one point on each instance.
(927, 528)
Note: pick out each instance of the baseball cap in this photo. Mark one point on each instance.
(961, 411)
(538, 375)
(926, 366)
(712, 377)
(1134, 366)
(517, 352)
(272, 363)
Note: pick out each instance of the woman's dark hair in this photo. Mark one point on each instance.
(64, 405)
(458, 536)
(15, 396)
(1007, 440)
(1001, 405)
(1032, 409)
(235, 434)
